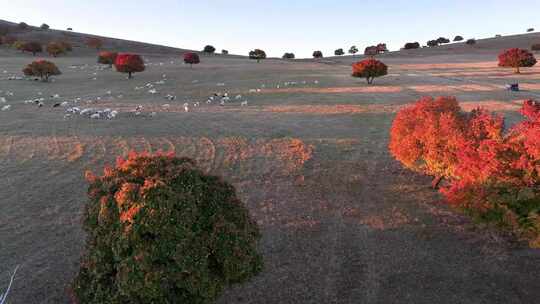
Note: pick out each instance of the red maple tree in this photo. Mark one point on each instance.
(129, 63)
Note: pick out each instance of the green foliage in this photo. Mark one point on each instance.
(161, 231)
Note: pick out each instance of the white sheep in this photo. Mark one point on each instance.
(6, 108)
(186, 107)
(244, 103)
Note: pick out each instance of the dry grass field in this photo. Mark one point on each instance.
(342, 222)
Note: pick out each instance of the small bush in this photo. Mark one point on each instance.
(412, 45)
(55, 49)
(369, 69)
(159, 230)
(44, 26)
(69, 29)
(94, 43)
(516, 58)
(535, 47)
(107, 57)
(471, 41)
(23, 26)
(339, 52)
(257, 55)
(288, 56)
(129, 63)
(458, 38)
(530, 30)
(209, 49)
(317, 54)
(432, 43)
(42, 69)
(224, 52)
(32, 47)
(191, 59)
(353, 50)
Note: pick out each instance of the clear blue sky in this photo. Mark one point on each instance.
(279, 26)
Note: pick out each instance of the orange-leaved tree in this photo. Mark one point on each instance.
(424, 137)
(369, 69)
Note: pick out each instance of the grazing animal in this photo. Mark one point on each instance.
(186, 107)
(95, 116)
(244, 103)
(6, 107)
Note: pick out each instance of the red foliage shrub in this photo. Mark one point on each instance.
(129, 63)
(32, 47)
(159, 230)
(42, 69)
(191, 58)
(369, 69)
(424, 136)
(94, 43)
(106, 57)
(516, 58)
(492, 175)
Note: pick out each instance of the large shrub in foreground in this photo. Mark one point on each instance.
(42, 69)
(161, 231)
(369, 69)
(129, 63)
(516, 58)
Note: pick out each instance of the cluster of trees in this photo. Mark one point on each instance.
(160, 230)
(340, 52)
(369, 69)
(491, 173)
(516, 58)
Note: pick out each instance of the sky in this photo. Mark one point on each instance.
(279, 26)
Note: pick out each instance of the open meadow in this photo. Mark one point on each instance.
(305, 145)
